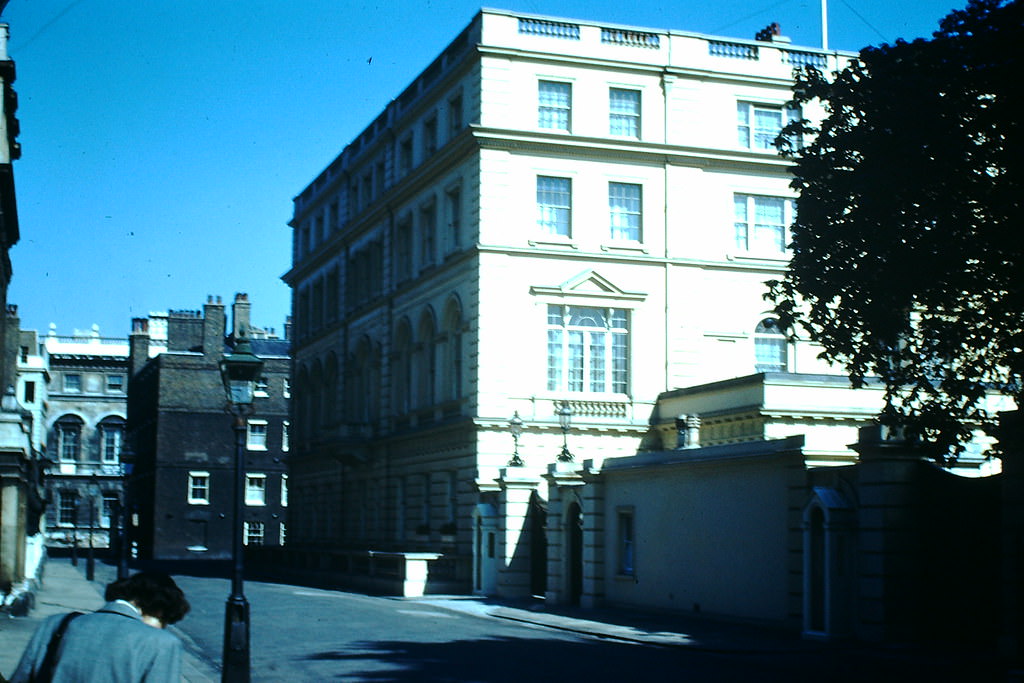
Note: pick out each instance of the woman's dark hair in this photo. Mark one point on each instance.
(154, 593)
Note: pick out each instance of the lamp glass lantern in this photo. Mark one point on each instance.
(564, 413)
(565, 416)
(240, 371)
(515, 425)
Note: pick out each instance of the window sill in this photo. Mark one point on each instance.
(773, 256)
(255, 448)
(552, 242)
(635, 247)
(198, 502)
(255, 505)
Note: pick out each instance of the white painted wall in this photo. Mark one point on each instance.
(711, 535)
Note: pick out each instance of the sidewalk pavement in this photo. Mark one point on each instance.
(704, 633)
(65, 589)
(652, 628)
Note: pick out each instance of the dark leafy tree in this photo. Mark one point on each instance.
(907, 247)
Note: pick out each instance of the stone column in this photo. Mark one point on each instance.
(556, 543)
(888, 534)
(14, 452)
(595, 531)
(517, 487)
(564, 480)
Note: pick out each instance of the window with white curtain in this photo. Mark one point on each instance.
(758, 125)
(554, 107)
(624, 112)
(554, 205)
(761, 223)
(770, 347)
(625, 211)
(588, 349)
(255, 489)
(256, 437)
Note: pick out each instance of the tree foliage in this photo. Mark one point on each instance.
(907, 246)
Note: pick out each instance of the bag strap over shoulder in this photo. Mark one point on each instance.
(45, 673)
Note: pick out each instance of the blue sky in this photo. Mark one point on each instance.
(163, 140)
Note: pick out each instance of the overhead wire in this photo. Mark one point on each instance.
(42, 29)
(866, 22)
(750, 16)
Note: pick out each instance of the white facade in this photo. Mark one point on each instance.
(554, 211)
(33, 382)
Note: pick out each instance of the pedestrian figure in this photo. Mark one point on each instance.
(122, 641)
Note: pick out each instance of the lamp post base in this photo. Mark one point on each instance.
(235, 667)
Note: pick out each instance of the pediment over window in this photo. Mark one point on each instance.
(589, 283)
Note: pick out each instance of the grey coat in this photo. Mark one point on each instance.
(112, 645)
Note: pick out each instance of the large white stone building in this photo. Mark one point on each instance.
(553, 211)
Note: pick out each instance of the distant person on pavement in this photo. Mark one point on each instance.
(122, 641)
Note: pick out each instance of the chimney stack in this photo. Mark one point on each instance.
(213, 327)
(240, 315)
(138, 345)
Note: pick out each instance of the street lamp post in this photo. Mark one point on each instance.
(119, 523)
(90, 561)
(564, 413)
(239, 371)
(515, 425)
(74, 534)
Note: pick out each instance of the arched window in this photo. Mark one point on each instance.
(111, 434)
(300, 406)
(402, 369)
(426, 362)
(588, 349)
(316, 398)
(68, 437)
(362, 383)
(330, 403)
(770, 347)
(450, 353)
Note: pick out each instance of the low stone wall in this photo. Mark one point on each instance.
(407, 574)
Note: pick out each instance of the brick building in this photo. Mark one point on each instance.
(182, 445)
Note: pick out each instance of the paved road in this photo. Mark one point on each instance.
(308, 634)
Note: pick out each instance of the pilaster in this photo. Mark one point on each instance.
(517, 487)
(564, 482)
(888, 534)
